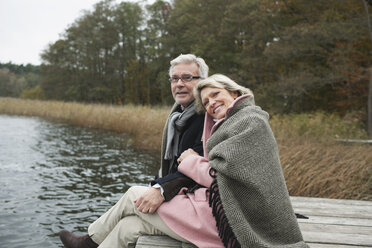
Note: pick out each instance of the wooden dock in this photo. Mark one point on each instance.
(331, 224)
(335, 223)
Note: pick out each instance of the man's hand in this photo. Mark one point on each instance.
(185, 154)
(149, 201)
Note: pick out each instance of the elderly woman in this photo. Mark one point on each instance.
(248, 196)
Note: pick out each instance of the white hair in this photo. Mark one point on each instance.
(189, 59)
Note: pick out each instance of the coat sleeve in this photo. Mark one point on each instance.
(173, 187)
(197, 168)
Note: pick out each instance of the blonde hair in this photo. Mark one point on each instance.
(217, 81)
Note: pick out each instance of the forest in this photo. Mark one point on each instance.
(296, 55)
(19, 80)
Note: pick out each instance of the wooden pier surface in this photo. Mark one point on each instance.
(332, 224)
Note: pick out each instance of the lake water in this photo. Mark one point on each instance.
(55, 176)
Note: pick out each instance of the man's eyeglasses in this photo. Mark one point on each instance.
(184, 78)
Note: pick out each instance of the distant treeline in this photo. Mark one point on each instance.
(296, 55)
(18, 80)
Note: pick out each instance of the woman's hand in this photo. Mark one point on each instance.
(185, 154)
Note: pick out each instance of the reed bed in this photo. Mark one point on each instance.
(331, 171)
(314, 164)
(143, 124)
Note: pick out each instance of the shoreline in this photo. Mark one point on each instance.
(145, 124)
(314, 165)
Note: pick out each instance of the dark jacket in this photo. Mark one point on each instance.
(172, 180)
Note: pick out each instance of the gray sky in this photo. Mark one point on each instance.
(28, 26)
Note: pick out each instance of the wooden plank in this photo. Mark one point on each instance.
(342, 229)
(336, 221)
(337, 239)
(361, 214)
(336, 234)
(146, 241)
(329, 204)
(335, 208)
(331, 201)
(317, 245)
(332, 206)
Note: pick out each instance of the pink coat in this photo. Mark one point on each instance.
(189, 215)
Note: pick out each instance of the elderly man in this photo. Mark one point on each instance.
(135, 213)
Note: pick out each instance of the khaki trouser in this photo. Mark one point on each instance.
(123, 223)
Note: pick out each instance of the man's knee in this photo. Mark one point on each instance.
(133, 193)
(129, 227)
(133, 226)
(126, 232)
(137, 190)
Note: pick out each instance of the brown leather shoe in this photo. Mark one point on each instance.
(71, 240)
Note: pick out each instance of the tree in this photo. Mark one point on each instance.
(155, 54)
(56, 76)
(369, 104)
(317, 51)
(10, 84)
(30, 74)
(128, 18)
(89, 62)
(296, 55)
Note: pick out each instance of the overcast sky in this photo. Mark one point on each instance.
(28, 26)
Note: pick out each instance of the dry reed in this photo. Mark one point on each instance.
(327, 170)
(144, 124)
(313, 163)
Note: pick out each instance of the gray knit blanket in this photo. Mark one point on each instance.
(254, 196)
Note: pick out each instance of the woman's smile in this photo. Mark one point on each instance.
(217, 108)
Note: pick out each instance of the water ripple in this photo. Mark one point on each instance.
(56, 176)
